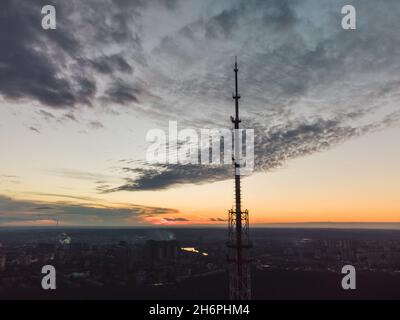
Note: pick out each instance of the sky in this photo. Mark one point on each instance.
(77, 102)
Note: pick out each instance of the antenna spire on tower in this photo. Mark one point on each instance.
(238, 242)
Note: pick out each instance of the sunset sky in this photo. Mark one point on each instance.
(77, 102)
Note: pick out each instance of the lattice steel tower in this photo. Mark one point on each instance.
(238, 233)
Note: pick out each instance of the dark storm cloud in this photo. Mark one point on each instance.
(110, 64)
(122, 93)
(86, 90)
(164, 176)
(296, 139)
(17, 211)
(272, 148)
(57, 67)
(27, 68)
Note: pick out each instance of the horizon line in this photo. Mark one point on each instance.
(276, 225)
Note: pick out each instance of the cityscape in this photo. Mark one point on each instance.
(191, 263)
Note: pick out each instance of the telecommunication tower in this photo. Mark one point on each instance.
(238, 229)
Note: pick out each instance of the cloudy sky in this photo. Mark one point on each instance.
(77, 102)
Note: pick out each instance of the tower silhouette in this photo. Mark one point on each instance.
(238, 221)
